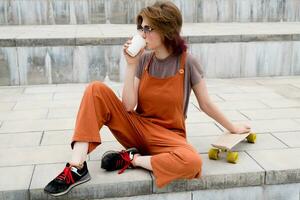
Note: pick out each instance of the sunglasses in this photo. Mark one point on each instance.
(146, 29)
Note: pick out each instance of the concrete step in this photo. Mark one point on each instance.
(82, 53)
(37, 122)
(15, 12)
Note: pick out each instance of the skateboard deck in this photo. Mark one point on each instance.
(226, 142)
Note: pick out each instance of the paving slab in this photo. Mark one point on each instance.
(11, 90)
(10, 98)
(198, 117)
(286, 113)
(103, 184)
(281, 165)
(6, 106)
(252, 88)
(241, 105)
(226, 89)
(282, 80)
(106, 135)
(15, 178)
(57, 137)
(23, 114)
(249, 96)
(297, 120)
(61, 88)
(202, 143)
(202, 129)
(213, 98)
(20, 139)
(15, 182)
(56, 113)
(281, 103)
(36, 125)
(274, 125)
(296, 85)
(193, 108)
(277, 125)
(47, 104)
(34, 155)
(73, 95)
(291, 139)
(287, 90)
(27, 97)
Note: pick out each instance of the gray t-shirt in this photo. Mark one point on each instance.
(168, 67)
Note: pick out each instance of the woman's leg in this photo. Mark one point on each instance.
(79, 154)
(169, 148)
(142, 161)
(99, 106)
(186, 164)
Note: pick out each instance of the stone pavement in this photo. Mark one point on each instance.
(37, 121)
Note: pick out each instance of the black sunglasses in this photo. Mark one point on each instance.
(146, 29)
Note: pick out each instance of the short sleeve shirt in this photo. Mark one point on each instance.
(163, 68)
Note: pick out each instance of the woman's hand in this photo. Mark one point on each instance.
(131, 61)
(240, 128)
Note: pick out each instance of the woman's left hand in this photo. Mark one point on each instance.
(241, 128)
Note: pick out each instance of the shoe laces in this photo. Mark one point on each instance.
(123, 161)
(66, 175)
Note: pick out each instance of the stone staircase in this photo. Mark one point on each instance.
(58, 41)
(49, 12)
(82, 53)
(48, 55)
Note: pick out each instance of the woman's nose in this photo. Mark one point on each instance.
(142, 33)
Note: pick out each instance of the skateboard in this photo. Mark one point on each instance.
(226, 142)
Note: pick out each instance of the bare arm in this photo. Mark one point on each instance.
(213, 111)
(130, 89)
(131, 83)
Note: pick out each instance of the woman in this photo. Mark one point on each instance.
(158, 83)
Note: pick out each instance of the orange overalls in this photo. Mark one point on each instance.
(156, 128)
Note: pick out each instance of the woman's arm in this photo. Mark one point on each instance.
(130, 89)
(131, 83)
(213, 111)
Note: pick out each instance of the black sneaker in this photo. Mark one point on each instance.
(67, 179)
(114, 160)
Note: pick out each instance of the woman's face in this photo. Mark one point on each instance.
(153, 39)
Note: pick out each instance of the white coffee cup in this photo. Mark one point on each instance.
(137, 43)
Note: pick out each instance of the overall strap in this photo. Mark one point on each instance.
(182, 62)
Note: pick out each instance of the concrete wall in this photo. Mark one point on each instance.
(16, 12)
(73, 64)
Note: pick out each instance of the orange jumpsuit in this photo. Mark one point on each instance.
(156, 127)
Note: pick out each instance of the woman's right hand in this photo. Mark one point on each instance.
(131, 61)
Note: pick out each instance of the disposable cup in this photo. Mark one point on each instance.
(137, 43)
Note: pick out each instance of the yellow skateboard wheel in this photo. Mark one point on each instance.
(213, 154)
(232, 157)
(251, 138)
